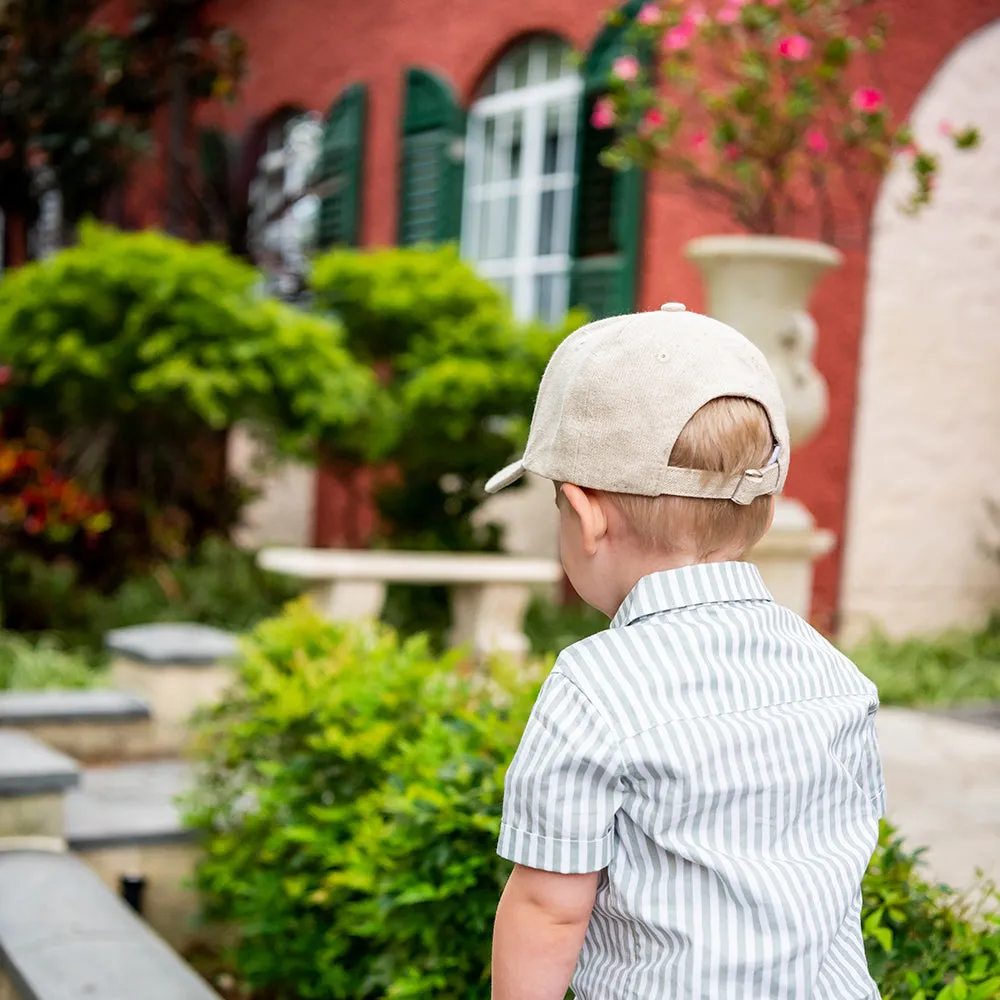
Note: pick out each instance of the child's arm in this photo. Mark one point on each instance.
(539, 930)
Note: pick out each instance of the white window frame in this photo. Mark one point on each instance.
(533, 102)
(289, 236)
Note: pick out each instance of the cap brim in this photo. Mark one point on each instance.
(505, 477)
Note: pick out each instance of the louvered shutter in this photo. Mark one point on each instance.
(609, 204)
(430, 169)
(340, 171)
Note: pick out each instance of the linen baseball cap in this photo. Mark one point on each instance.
(617, 393)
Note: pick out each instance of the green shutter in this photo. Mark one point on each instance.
(608, 204)
(430, 167)
(340, 171)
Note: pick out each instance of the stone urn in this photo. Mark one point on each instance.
(761, 285)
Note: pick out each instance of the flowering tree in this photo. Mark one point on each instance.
(759, 102)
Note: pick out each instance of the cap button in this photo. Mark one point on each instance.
(673, 307)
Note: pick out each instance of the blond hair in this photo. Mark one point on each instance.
(727, 435)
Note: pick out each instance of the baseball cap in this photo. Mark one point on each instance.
(617, 393)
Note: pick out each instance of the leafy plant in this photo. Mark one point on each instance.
(349, 795)
(759, 103)
(37, 501)
(947, 670)
(458, 377)
(350, 790)
(551, 627)
(136, 353)
(35, 666)
(925, 942)
(216, 584)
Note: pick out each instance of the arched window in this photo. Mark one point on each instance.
(282, 215)
(521, 150)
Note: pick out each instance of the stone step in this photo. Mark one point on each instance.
(33, 780)
(124, 821)
(126, 805)
(90, 726)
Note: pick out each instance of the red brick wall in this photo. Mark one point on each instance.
(305, 51)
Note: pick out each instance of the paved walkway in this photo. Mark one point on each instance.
(943, 782)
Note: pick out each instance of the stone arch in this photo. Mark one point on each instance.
(926, 451)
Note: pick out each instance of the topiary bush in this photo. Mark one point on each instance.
(136, 353)
(349, 792)
(458, 377)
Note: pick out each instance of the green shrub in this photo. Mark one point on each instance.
(349, 793)
(551, 626)
(35, 666)
(947, 670)
(136, 353)
(459, 377)
(217, 584)
(924, 942)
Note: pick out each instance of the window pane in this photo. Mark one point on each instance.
(550, 156)
(498, 228)
(557, 63)
(546, 221)
(550, 297)
(519, 59)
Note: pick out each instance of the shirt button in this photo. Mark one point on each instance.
(673, 307)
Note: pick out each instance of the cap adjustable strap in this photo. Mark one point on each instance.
(742, 489)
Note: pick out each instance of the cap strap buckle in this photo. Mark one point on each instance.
(758, 482)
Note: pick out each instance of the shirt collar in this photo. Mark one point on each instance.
(690, 586)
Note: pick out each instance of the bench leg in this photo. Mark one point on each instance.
(490, 617)
(348, 600)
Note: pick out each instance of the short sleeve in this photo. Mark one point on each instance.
(563, 787)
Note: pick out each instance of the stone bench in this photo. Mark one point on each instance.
(65, 936)
(87, 725)
(33, 780)
(489, 593)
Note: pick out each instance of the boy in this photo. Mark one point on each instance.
(697, 793)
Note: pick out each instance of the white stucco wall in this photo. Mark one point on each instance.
(927, 438)
(283, 512)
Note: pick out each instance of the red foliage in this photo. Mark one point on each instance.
(37, 501)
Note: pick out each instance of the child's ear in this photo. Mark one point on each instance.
(590, 512)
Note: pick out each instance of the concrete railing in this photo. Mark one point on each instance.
(65, 936)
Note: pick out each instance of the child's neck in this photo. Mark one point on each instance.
(633, 566)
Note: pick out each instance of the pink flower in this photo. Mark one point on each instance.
(731, 152)
(946, 129)
(698, 140)
(696, 15)
(5, 374)
(649, 13)
(867, 100)
(795, 48)
(729, 14)
(603, 115)
(816, 141)
(678, 38)
(625, 68)
(653, 119)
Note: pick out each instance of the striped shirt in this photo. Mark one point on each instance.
(716, 759)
